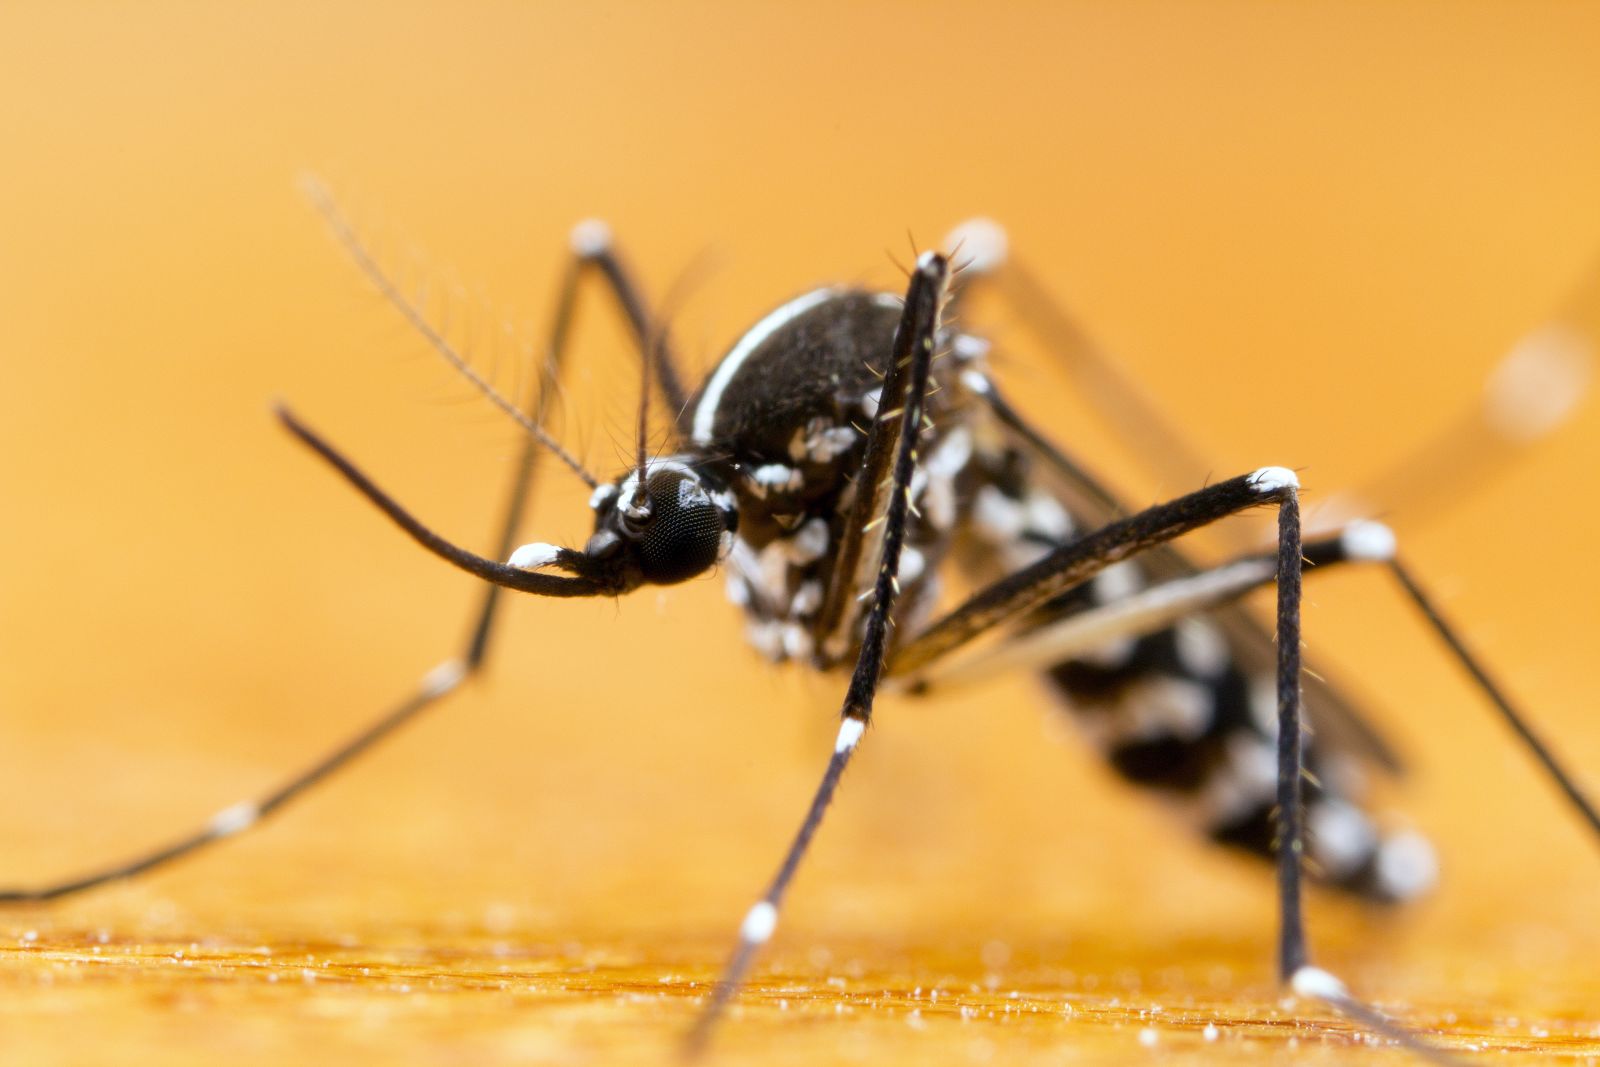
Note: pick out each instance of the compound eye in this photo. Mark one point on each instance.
(684, 532)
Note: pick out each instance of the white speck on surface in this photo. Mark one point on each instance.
(1210, 1033)
(1149, 1038)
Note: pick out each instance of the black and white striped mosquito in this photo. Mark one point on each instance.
(849, 453)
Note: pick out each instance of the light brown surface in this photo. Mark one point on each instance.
(1312, 230)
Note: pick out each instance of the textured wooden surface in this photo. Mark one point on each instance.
(1312, 229)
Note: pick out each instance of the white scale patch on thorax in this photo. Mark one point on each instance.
(933, 486)
(775, 588)
(821, 441)
(692, 494)
(774, 476)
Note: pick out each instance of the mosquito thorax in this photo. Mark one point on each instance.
(668, 527)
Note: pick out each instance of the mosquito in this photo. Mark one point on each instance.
(849, 455)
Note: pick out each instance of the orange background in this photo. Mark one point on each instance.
(1311, 229)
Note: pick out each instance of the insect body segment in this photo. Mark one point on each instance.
(783, 421)
(661, 526)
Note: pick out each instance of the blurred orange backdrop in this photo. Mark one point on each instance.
(1311, 229)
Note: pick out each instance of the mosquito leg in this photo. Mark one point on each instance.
(902, 424)
(1012, 597)
(1515, 719)
(1535, 389)
(592, 251)
(1114, 395)
(437, 683)
(1092, 626)
(1316, 984)
(592, 242)
(864, 527)
(1076, 561)
(1294, 966)
(1291, 755)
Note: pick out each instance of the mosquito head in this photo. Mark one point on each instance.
(666, 527)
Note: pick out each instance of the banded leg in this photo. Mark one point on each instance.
(1120, 401)
(1361, 540)
(894, 434)
(1013, 597)
(1536, 387)
(1515, 719)
(1336, 718)
(1074, 562)
(442, 679)
(1087, 627)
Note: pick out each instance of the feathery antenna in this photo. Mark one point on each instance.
(345, 233)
